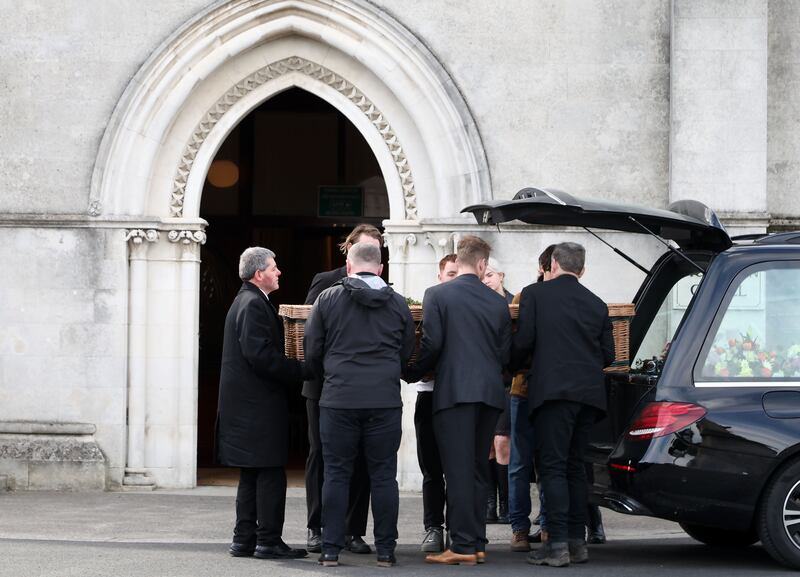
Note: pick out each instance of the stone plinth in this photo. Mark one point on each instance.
(50, 456)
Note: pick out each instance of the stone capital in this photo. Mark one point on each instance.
(139, 239)
(187, 236)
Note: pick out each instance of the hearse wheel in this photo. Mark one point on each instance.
(716, 537)
(779, 516)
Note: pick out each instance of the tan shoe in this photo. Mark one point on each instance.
(451, 558)
(519, 542)
(480, 557)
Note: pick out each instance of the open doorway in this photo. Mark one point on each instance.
(294, 176)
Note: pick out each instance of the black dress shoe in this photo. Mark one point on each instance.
(328, 560)
(314, 541)
(386, 560)
(355, 544)
(597, 535)
(278, 551)
(241, 549)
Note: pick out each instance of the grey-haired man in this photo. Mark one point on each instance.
(252, 419)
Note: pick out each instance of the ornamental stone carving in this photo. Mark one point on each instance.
(442, 243)
(187, 236)
(317, 72)
(137, 236)
(399, 244)
(95, 208)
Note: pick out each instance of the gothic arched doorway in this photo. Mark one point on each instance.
(295, 175)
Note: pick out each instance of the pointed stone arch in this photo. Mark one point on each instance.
(316, 72)
(237, 49)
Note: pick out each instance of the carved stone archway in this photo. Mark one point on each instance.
(316, 72)
(165, 132)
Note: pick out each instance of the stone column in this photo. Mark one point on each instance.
(718, 133)
(190, 241)
(135, 474)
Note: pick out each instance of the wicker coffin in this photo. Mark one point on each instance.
(294, 321)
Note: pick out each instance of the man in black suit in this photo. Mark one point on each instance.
(252, 419)
(566, 329)
(466, 339)
(360, 335)
(312, 389)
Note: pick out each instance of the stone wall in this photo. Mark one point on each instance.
(576, 96)
(63, 333)
(572, 95)
(64, 67)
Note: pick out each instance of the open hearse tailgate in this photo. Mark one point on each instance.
(690, 224)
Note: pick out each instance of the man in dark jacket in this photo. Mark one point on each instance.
(466, 338)
(252, 423)
(359, 486)
(566, 329)
(359, 336)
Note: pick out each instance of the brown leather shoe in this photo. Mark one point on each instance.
(451, 558)
(519, 542)
(480, 556)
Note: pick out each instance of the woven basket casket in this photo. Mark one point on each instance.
(294, 322)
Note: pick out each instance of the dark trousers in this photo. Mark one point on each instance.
(359, 485)
(433, 490)
(465, 433)
(377, 432)
(260, 506)
(561, 434)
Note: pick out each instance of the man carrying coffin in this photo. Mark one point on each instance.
(466, 338)
(567, 331)
(358, 337)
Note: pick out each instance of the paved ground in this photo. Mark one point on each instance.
(185, 533)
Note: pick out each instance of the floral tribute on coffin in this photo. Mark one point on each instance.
(744, 357)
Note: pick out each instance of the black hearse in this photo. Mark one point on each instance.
(705, 427)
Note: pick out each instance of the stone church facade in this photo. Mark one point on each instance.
(113, 113)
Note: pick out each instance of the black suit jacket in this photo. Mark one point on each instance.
(322, 281)
(466, 338)
(252, 415)
(566, 329)
(312, 389)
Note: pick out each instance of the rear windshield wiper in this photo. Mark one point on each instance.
(619, 252)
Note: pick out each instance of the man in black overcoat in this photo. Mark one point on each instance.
(566, 329)
(252, 419)
(466, 338)
(358, 509)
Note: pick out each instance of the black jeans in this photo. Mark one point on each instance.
(430, 463)
(260, 506)
(561, 434)
(377, 432)
(358, 510)
(464, 434)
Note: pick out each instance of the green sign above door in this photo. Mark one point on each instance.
(340, 201)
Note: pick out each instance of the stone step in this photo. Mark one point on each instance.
(137, 480)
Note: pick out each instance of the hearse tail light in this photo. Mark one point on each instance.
(664, 418)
